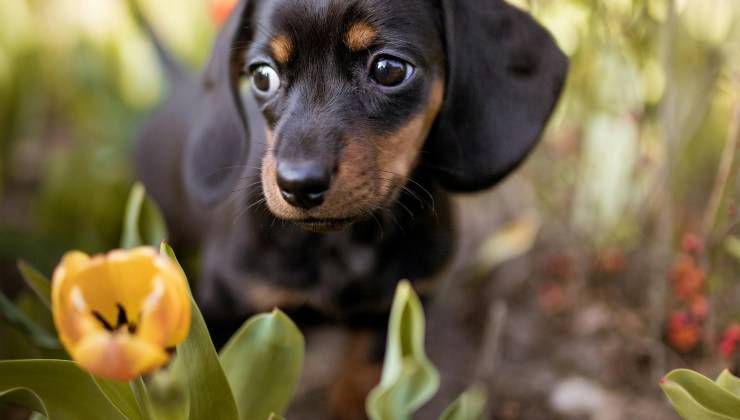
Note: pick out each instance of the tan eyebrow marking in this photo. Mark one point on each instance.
(360, 35)
(282, 48)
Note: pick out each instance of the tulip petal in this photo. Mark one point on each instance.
(179, 286)
(132, 274)
(165, 314)
(65, 313)
(119, 356)
(71, 264)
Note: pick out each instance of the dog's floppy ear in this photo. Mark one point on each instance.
(217, 144)
(505, 74)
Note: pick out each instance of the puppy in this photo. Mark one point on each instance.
(312, 158)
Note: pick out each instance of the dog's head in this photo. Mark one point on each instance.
(359, 93)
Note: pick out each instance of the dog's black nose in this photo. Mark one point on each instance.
(303, 184)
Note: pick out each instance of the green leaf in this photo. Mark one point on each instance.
(142, 222)
(14, 316)
(209, 392)
(166, 249)
(729, 382)
(696, 397)
(120, 395)
(131, 236)
(274, 416)
(263, 361)
(152, 223)
(471, 405)
(39, 283)
(409, 379)
(141, 394)
(23, 397)
(57, 388)
(169, 394)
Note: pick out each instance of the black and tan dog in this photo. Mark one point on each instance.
(324, 181)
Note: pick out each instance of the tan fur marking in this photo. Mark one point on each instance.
(360, 35)
(399, 152)
(282, 48)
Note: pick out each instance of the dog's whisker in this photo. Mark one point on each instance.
(229, 168)
(370, 214)
(411, 214)
(243, 212)
(406, 189)
(424, 190)
(409, 191)
(239, 192)
(243, 188)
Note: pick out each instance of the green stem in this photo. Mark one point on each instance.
(142, 398)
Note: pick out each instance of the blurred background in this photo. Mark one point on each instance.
(612, 257)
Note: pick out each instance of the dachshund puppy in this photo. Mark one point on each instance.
(312, 158)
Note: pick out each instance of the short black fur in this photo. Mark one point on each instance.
(200, 155)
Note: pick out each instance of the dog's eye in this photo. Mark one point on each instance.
(390, 71)
(265, 80)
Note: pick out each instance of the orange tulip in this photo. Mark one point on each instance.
(119, 314)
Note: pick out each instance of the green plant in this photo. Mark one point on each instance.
(696, 397)
(252, 377)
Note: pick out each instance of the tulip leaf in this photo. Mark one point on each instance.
(23, 397)
(409, 379)
(131, 236)
(729, 382)
(209, 393)
(39, 283)
(696, 397)
(15, 317)
(166, 249)
(168, 394)
(120, 395)
(142, 222)
(267, 350)
(57, 388)
(471, 405)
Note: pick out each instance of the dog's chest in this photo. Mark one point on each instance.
(262, 264)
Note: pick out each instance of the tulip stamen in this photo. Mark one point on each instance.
(123, 320)
(102, 320)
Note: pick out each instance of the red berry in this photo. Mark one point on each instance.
(728, 345)
(691, 244)
(683, 332)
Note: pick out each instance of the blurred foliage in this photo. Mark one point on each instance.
(76, 77)
(647, 106)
